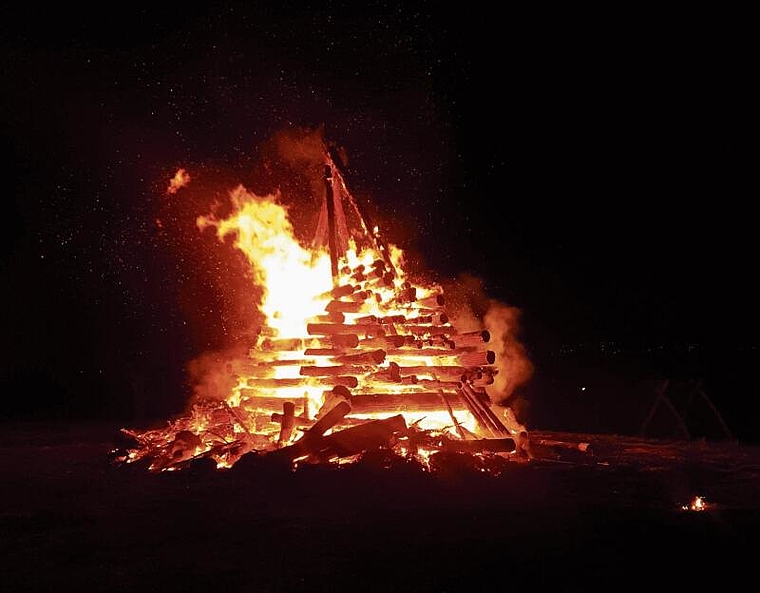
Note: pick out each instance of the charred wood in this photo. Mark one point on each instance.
(310, 440)
(357, 439)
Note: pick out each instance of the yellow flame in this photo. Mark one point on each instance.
(291, 276)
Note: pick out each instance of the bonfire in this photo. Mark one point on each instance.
(354, 356)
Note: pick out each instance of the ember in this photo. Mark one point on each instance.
(354, 356)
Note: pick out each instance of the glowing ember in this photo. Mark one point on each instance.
(181, 179)
(353, 356)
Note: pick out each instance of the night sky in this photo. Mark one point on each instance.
(591, 170)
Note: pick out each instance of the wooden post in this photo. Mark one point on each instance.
(331, 238)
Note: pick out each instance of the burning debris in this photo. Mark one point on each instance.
(354, 356)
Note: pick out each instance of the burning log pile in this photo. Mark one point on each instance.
(376, 364)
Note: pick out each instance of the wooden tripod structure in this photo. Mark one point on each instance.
(333, 229)
(696, 390)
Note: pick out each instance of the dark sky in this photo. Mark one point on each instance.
(593, 170)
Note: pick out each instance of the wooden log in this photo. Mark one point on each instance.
(482, 380)
(358, 439)
(334, 371)
(333, 329)
(329, 317)
(309, 442)
(449, 409)
(366, 320)
(438, 318)
(370, 357)
(427, 330)
(421, 352)
(479, 400)
(438, 341)
(295, 362)
(345, 380)
(428, 401)
(359, 296)
(432, 301)
(345, 306)
(272, 383)
(336, 341)
(477, 358)
(253, 400)
(443, 372)
(286, 423)
(436, 383)
(481, 416)
(324, 351)
(358, 274)
(306, 381)
(389, 341)
(328, 419)
(391, 319)
(475, 338)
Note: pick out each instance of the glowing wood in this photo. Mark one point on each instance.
(332, 329)
(472, 338)
(427, 401)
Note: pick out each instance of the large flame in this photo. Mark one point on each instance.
(349, 345)
(291, 276)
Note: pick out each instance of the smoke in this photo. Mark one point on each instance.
(471, 309)
(214, 374)
(503, 323)
(301, 147)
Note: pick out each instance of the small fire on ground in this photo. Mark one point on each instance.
(697, 504)
(354, 356)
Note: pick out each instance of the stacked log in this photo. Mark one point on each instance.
(404, 357)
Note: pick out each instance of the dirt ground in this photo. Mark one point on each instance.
(608, 518)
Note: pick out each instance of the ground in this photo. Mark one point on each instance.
(608, 517)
